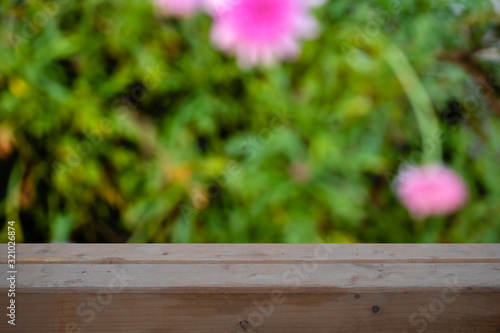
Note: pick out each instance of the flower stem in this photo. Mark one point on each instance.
(422, 106)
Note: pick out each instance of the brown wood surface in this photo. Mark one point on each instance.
(255, 288)
(262, 253)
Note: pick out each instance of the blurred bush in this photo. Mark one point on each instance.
(119, 125)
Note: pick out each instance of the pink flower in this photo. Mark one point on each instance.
(262, 31)
(179, 8)
(431, 190)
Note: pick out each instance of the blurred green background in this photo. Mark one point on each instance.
(118, 125)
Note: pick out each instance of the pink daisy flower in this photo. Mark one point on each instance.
(431, 190)
(179, 8)
(262, 31)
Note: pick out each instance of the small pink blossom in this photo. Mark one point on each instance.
(262, 31)
(431, 190)
(179, 8)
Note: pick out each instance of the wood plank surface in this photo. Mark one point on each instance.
(255, 288)
(258, 278)
(263, 253)
(220, 313)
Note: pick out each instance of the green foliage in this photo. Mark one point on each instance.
(119, 125)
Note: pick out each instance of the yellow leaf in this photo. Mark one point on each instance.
(18, 87)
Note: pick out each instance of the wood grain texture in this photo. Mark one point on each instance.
(251, 253)
(256, 288)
